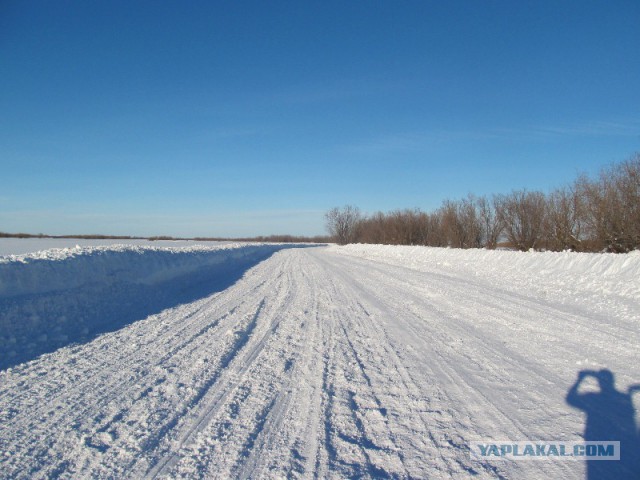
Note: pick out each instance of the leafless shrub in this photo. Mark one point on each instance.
(590, 215)
(522, 214)
(612, 207)
(373, 229)
(461, 224)
(342, 223)
(564, 220)
(491, 223)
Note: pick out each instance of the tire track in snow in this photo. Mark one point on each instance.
(406, 390)
(98, 390)
(431, 328)
(231, 376)
(260, 458)
(76, 392)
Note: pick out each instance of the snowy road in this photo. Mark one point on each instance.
(319, 363)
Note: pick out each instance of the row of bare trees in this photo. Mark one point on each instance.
(591, 214)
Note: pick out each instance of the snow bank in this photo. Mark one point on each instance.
(51, 298)
(567, 276)
(68, 268)
(625, 266)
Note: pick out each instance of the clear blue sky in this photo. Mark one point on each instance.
(246, 118)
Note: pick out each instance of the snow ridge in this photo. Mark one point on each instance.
(51, 298)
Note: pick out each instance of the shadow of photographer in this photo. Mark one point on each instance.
(610, 416)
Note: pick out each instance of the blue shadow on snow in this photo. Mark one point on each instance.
(609, 417)
(43, 323)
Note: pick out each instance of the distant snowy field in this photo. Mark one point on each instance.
(20, 246)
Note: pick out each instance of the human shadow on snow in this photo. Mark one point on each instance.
(43, 323)
(609, 417)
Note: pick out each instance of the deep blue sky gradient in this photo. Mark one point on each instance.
(247, 118)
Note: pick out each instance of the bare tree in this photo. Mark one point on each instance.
(435, 232)
(612, 207)
(452, 228)
(342, 223)
(590, 215)
(522, 213)
(492, 226)
(564, 220)
(405, 227)
(626, 177)
(595, 222)
(373, 229)
(461, 223)
(471, 224)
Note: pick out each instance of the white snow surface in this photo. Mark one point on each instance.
(21, 246)
(362, 361)
(66, 268)
(54, 297)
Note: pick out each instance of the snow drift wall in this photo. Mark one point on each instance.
(567, 276)
(570, 263)
(66, 269)
(55, 297)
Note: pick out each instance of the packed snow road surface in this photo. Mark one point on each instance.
(357, 362)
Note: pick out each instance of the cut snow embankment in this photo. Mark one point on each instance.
(606, 281)
(55, 297)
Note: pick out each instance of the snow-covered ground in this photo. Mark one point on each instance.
(20, 246)
(54, 297)
(325, 362)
